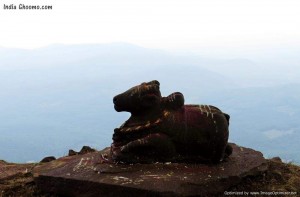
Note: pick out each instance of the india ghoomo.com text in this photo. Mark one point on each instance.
(26, 7)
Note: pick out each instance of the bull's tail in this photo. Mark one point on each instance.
(227, 118)
(228, 149)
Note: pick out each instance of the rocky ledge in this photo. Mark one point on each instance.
(90, 174)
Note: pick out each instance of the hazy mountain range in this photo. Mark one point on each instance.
(60, 97)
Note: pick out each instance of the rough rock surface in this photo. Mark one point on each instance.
(16, 181)
(90, 175)
(47, 159)
(12, 169)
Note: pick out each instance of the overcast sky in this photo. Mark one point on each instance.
(165, 24)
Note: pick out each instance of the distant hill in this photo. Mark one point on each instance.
(60, 97)
(264, 118)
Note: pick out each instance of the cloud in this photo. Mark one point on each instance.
(31, 161)
(275, 133)
(49, 105)
(287, 110)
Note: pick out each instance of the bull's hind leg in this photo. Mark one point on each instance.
(219, 143)
(151, 148)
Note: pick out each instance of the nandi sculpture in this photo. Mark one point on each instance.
(164, 129)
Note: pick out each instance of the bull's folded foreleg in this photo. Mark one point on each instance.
(150, 148)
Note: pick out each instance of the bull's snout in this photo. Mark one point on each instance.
(115, 99)
(118, 103)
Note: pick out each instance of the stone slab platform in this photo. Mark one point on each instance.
(89, 175)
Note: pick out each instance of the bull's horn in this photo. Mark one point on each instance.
(154, 82)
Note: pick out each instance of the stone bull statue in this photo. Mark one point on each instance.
(164, 129)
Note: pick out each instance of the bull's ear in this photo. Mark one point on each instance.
(150, 100)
